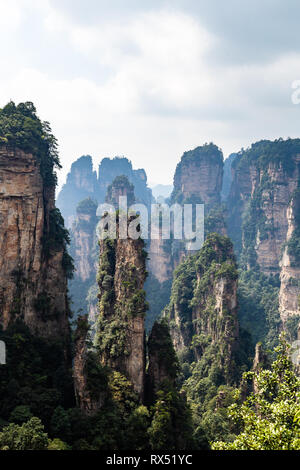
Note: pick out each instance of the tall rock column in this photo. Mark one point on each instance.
(120, 331)
(203, 308)
(83, 239)
(33, 258)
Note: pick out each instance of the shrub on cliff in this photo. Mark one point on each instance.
(20, 127)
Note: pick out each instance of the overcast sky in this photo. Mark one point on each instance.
(149, 79)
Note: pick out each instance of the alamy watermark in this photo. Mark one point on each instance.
(185, 223)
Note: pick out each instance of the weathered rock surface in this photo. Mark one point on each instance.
(266, 191)
(199, 176)
(289, 295)
(33, 287)
(83, 240)
(120, 326)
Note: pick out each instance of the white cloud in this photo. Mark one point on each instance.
(161, 95)
(10, 15)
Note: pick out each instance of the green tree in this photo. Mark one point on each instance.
(57, 444)
(269, 419)
(60, 424)
(171, 427)
(21, 414)
(29, 436)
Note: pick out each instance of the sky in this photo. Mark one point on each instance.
(150, 79)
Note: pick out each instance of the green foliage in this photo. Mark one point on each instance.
(96, 375)
(269, 418)
(60, 426)
(116, 310)
(87, 206)
(42, 305)
(212, 360)
(279, 152)
(36, 379)
(171, 427)
(56, 237)
(57, 444)
(291, 328)
(21, 128)
(136, 305)
(160, 345)
(255, 222)
(259, 307)
(28, 436)
(214, 221)
(21, 414)
(120, 183)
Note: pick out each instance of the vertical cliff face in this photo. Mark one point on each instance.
(227, 176)
(264, 178)
(289, 295)
(85, 252)
(203, 308)
(33, 281)
(160, 260)
(83, 239)
(198, 176)
(120, 326)
(81, 183)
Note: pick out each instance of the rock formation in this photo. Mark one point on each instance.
(264, 179)
(109, 169)
(289, 295)
(83, 239)
(197, 180)
(33, 261)
(85, 248)
(120, 187)
(198, 177)
(85, 252)
(203, 308)
(82, 182)
(227, 176)
(120, 331)
(263, 205)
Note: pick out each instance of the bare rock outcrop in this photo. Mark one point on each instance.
(264, 179)
(33, 281)
(289, 295)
